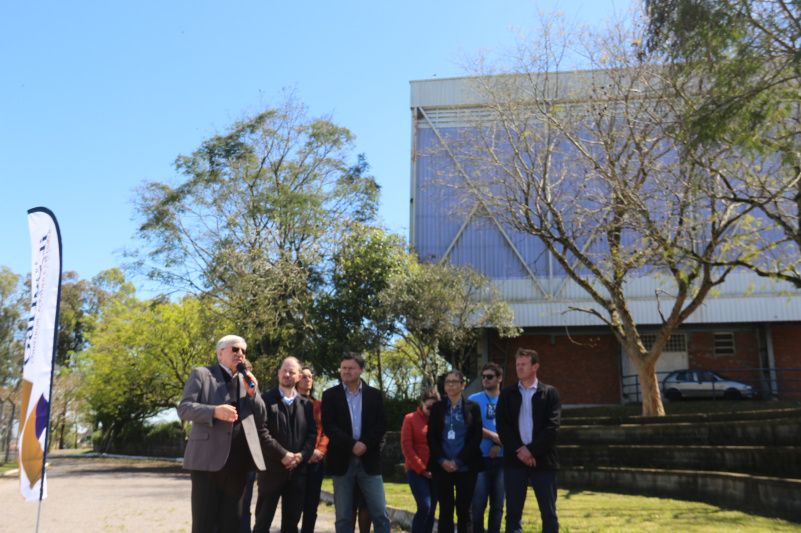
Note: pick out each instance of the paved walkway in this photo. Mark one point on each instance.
(99, 495)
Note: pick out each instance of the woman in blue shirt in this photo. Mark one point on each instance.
(454, 439)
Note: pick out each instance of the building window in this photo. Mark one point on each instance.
(676, 342)
(724, 344)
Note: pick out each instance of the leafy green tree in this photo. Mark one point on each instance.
(12, 311)
(440, 311)
(68, 410)
(140, 355)
(258, 214)
(401, 370)
(349, 313)
(73, 317)
(12, 327)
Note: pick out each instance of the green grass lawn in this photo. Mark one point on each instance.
(608, 512)
(5, 467)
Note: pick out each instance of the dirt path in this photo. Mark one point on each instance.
(98, 495)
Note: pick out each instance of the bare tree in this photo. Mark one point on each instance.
(589, 164)
(742, 56)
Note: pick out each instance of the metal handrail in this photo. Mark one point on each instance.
(771, 383)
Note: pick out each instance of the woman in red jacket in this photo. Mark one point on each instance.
(414, 445)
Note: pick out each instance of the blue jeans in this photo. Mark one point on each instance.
(489, 485)
(516, 481)
(372, 488)
(423, 521)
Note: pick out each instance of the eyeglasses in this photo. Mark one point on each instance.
(488, 376)
(236, 349)
(453, 382)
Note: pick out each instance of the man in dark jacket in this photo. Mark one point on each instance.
(528, 419)
(354, 420)
(290, 421)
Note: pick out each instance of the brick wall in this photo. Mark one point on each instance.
(701, 350)
(787, 345)
(585, 368)
(701, 354)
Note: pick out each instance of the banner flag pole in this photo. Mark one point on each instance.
(40, 351)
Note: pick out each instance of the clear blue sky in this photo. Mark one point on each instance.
(97, 97)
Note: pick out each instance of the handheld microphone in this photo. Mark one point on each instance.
(240, 367)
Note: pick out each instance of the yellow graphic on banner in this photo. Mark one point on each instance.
(32, 454)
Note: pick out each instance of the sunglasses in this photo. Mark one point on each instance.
(488, 376)
(236, 349)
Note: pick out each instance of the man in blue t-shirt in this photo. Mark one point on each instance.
(490, 482)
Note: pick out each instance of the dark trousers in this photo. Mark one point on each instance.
(516, 481)
(215, 506)
(462, 483)
(423, 521)
(247, 497)
(314, 482)
(216, 496)
(290, 488)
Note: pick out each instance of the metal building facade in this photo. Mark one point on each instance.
(445, 227)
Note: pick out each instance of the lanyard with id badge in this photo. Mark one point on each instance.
(454, 414)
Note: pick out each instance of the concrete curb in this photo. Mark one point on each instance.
(96, 455)
(761, 495)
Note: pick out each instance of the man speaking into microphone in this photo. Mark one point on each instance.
(227, 416)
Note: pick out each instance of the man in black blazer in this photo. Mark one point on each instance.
(528, 419)
(354, 420)
(290, 421)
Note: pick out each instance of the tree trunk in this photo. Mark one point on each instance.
(8, 432)
(61, 434)
(649, 387)
(380, 370)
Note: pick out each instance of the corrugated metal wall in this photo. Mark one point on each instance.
(446, 222)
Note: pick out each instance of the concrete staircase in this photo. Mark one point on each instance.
(749, 460)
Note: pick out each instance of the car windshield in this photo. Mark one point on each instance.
(713, 376)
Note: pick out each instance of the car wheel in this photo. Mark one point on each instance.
(673, 395)
(732, 394)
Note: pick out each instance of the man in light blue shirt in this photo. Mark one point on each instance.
(528, 419)
(354, 399)
(489, 484)
(355, 441)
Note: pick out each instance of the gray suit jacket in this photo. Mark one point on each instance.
(210, 440)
